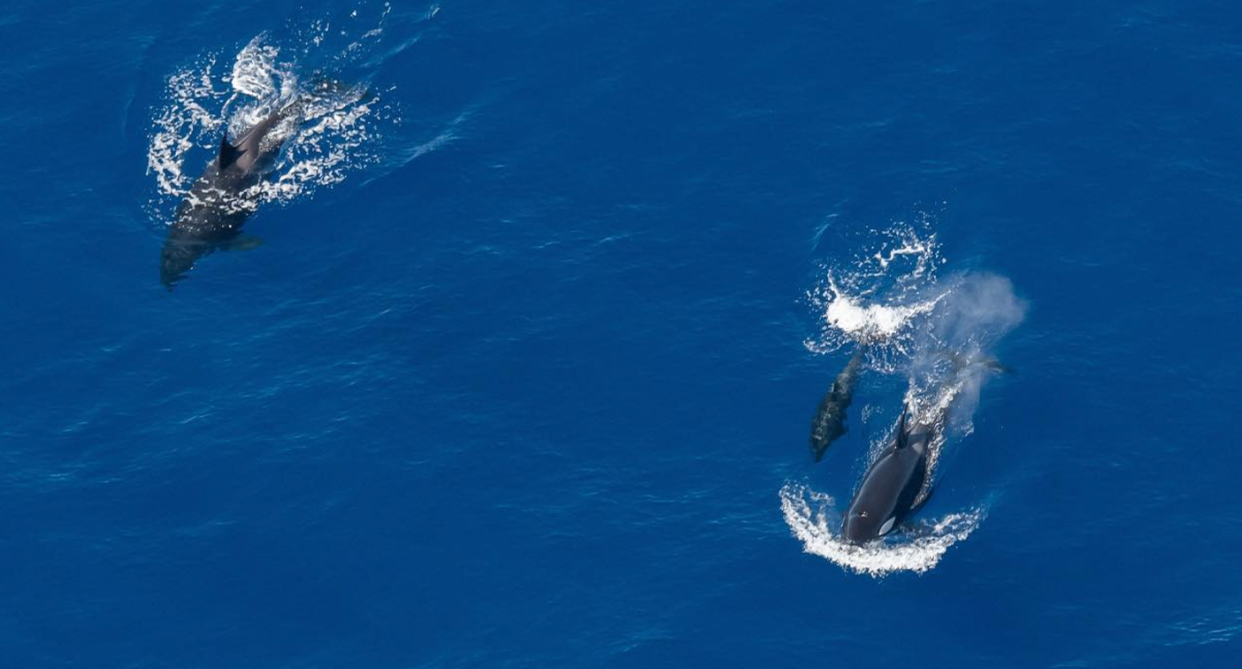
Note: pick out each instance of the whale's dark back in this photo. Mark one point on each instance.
(221, 199)
(829, 422)
(891, 486)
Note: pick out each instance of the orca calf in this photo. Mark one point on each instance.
(829, 422)
(890, 489)
(222, 198)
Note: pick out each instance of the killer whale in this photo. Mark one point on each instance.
(891, 489)
(223, 197)
(829, 422)
(896, 484)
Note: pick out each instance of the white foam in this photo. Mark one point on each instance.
(877, 298)
(871, 322)
(255, 72)
(340, 131)
(180, 122)
(813, 520)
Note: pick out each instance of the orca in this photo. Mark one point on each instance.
(829, 422)
(891, 488)
(222, 198)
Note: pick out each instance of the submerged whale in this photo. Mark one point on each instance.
(891, 488)
(829, 422)
(223, 197)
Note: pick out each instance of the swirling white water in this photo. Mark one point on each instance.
(814, 519)
(877, 296)
(935, 333)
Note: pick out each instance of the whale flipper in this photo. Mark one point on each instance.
(990, 363)
(918, 506)
(997, 366)
(245, 243)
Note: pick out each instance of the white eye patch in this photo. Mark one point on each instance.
(888, 525)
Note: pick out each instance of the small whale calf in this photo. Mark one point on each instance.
(829, 422)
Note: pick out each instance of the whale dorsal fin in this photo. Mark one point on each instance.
(228, 153)
(903, 438)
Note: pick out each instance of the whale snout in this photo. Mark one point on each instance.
(861, 527)
(858, 528)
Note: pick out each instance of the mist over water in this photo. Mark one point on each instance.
(955, 355)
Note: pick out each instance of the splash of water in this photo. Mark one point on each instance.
(953, 358)
(814, 519)
(180, 123)
(877, 297)
(343, 124)
(341, 128)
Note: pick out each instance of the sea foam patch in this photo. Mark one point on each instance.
(877, 298)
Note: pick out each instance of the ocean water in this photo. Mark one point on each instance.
(523, 373)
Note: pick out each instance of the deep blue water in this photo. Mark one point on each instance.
(522, 390)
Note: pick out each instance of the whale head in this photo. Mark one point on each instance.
(862, 526)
